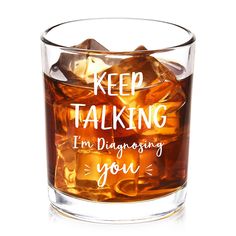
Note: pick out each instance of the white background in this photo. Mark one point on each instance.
(211, 201)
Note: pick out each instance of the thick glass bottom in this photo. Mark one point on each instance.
(117, 212)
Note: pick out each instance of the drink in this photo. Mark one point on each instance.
(117, 128)
(67, 164)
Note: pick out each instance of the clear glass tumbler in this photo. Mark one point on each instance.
(117, 97)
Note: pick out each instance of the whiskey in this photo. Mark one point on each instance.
(117, 117)
(118, 130)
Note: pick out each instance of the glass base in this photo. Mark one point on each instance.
(117, 212)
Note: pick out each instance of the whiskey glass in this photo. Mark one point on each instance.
(117, 98)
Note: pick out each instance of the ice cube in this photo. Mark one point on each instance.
(128, 177)
(159, 87)
(171, 95)
(87, 167)
(79, 67)
(76, 172)
(90, 133)
(168, 91)
(91, 44)
(150, 67)
(68, 125)
(170, 128)
(89, 179)
(140, 48)
(175, 67)
(154, 74)
(65, 170)
(63, 99)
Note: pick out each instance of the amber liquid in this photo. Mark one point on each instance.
(73, 170)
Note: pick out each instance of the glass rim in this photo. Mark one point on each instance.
(190, 41)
